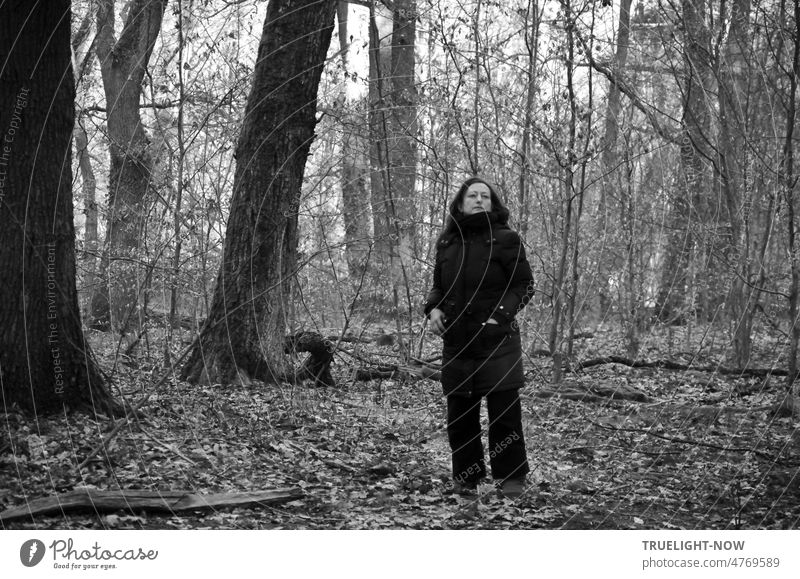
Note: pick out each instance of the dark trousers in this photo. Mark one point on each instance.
(506, 443)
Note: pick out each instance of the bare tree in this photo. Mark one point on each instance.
(688, 201)
(355, 165)
(789, 186)
(123, 63)
(243, 336)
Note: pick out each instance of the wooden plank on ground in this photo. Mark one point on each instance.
(141, 500)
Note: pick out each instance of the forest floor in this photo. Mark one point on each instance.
(699, 450)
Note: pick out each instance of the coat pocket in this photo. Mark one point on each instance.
(492, 335)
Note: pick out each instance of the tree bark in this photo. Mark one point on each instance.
(243, 335)
(45, 364)
(123, 64)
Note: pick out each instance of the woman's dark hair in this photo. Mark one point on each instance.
(453, 212)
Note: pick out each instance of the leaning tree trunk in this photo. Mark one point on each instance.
(123, 64)
(243, 334)
(44, 363)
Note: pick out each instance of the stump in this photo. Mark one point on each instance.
(317, 366)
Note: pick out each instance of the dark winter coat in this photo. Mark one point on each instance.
(481, 272)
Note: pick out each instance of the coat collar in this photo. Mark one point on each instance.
(477, 222)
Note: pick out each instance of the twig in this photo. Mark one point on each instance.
(668, 365)
(341, 465)
(164, 445)
(125, 419)
(688, 441)
(114, 431)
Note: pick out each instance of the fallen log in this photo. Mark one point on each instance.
(136, 501)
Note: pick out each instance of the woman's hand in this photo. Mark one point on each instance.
(437, 321)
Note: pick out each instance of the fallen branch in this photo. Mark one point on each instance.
(165, 446)
(417, 369)
(569, 395)
(150, 501)
(597, 393)
(668, 365)
(134, 411)
(689, 441)
(398, 372)
(339, 464)
(389, 372)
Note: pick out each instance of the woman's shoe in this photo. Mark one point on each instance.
(513, 488)
(465, 488)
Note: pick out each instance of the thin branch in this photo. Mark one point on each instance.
(688, 441)
(616, 79)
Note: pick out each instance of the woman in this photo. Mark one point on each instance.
(480, 281)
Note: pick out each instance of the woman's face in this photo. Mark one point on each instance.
(476, 199)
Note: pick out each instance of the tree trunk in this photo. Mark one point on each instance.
(44, 363)
(244, 333)
(123, 64)
(687, 239)
(177, 218)
(732, 79)
(610, 154)
(403, 156)
(612, 175)
(355, 170)
(89, 187)
(532, 21)
(379, 62)
(788, 186)
(393, 127)
(586, 129)
(403, 126)
(674, 284)
(560, 281)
